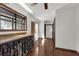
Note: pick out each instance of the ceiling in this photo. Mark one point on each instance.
(42, 14)
(38, 9)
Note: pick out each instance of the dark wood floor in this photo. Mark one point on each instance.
(42, 47)
(45, 47)
(64, 52)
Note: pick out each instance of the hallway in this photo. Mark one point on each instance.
(42, 48)
(21, 29)
(46, 48)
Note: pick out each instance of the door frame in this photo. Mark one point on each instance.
(31, 26)
(45, 30)
(54, 27)
(34, 29)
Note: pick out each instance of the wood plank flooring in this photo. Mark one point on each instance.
(64, 52)
(45, 47)
(42, 47)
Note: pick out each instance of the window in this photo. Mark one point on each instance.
(11, 21)
(6, 24)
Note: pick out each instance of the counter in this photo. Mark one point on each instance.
(7, 38)
(16, 44)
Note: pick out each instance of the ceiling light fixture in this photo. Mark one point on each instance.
(26, 7)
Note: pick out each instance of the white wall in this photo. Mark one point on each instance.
(77, 28)
(41, 29)
(49, 21)
(29, 20)
(65, 28)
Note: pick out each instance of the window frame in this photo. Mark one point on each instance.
(14, 20)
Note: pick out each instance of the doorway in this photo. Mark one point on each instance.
(34, 30)
(48, 31)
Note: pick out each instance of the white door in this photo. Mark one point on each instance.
(48, 31)
(36, 31)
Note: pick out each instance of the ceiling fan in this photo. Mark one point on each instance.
(45, 5)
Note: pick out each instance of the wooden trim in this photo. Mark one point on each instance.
(26, 23)
(54, 25)
(45, 38)
(45, 30)
(63, 49)
(12, 23)
(40, 38)
(15, 22)
(48, 38)
(10, 9)
(5, 30)
(5, 16)
(32, 27)
(0, 24)
(78, 53)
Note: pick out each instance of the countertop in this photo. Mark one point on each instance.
(8, 38)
